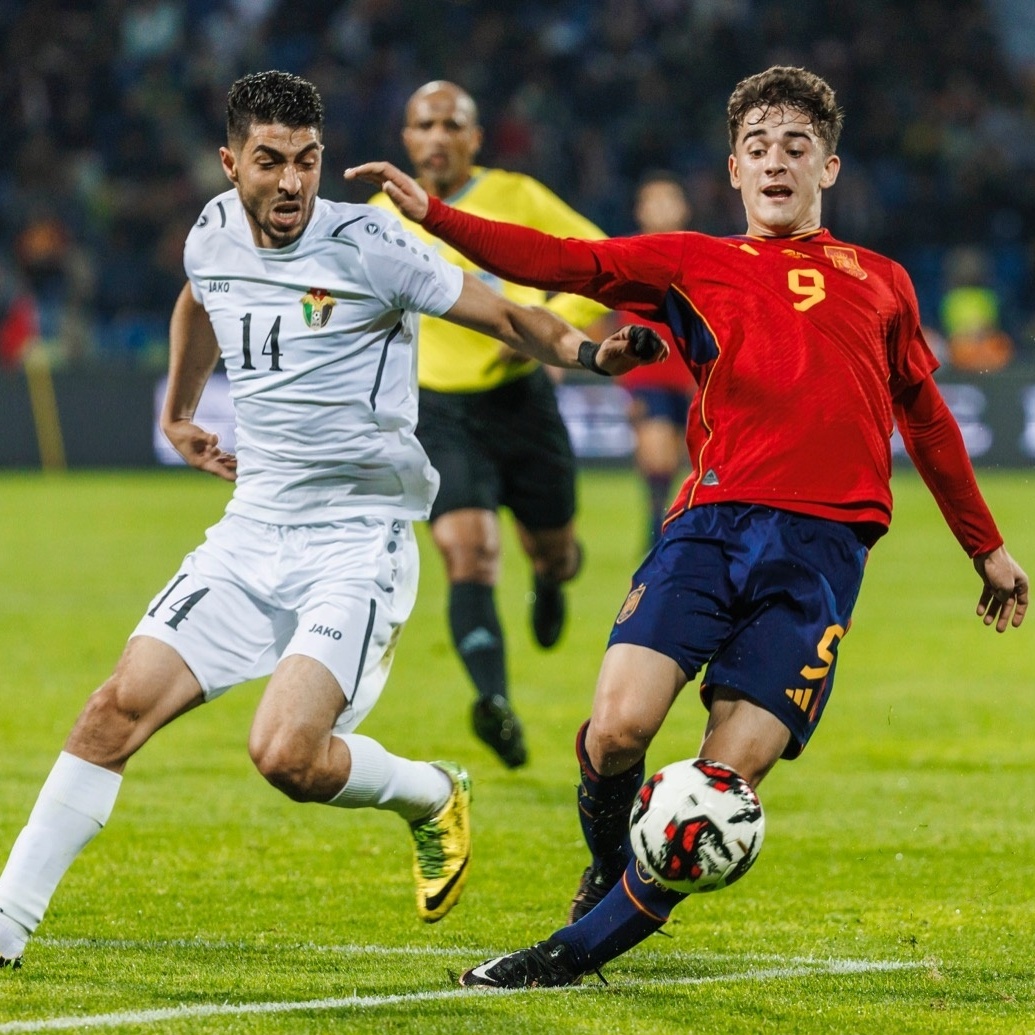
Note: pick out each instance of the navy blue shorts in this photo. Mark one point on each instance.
(660, 404)
(761, 597)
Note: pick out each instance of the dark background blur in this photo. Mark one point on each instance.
(114, 111)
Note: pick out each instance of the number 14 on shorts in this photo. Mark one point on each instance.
(178, 607)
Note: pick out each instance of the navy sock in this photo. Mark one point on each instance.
(632, 910)
(477, 636)
(604, 806)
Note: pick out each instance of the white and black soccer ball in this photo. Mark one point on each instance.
(696, 825)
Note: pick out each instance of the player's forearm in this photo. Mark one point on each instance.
(516, 253)
(936, 447)
(577, 310)
(542, 335)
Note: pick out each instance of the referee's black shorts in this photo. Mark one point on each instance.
(504, 447)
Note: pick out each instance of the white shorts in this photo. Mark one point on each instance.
(254, 593)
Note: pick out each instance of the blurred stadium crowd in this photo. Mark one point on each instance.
(115, 111)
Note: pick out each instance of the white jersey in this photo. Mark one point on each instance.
(319, 343)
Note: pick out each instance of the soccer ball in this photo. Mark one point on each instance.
(696, 825)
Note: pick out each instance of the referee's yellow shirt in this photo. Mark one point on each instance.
(455, 359)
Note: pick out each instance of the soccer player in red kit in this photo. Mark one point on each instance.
(804, 350)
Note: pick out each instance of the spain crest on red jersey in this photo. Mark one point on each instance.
(845, 259)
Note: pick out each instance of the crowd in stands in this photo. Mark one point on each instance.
(114, 112)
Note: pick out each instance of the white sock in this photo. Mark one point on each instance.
(73, 805)
(380, 780)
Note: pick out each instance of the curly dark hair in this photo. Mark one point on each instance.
(783, 86)
(271, 97)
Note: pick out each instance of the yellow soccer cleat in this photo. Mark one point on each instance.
(442, 848)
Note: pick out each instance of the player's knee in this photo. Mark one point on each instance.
(107, 705)
(743, 735)
(470, 549)
(109, 728)
(614, 748)
(283, 763)
(472, 564)
(558, 561)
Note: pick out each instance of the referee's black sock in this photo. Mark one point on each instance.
(477, 636)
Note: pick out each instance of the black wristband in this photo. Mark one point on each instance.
(588, 358)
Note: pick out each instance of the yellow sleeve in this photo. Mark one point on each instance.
(454, 359)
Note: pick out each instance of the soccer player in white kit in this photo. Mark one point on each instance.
(312, 571)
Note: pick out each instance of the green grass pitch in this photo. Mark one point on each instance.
(894, 892)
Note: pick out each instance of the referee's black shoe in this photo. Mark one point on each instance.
(496, 724)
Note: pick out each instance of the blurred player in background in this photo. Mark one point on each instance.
(489, 419)
(805, 349)
(312, 571)
(659, 393)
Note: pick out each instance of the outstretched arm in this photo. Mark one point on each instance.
(633, 274)
(936, 447)
(193, 353)
(541, 334)
(516, 253)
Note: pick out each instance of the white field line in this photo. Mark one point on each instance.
(356, 948)
(791, 967)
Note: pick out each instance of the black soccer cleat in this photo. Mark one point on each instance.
(547, 964)
(593, 886)
(497, 726)
(14, 964)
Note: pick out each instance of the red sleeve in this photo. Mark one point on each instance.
(632, 273)
(936, 447)
(909, 355)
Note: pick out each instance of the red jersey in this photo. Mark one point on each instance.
(799, 346)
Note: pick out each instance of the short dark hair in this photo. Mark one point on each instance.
(271, 97)
(661, 176)
(785, 87)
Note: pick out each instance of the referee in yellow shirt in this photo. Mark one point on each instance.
(488, 416)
